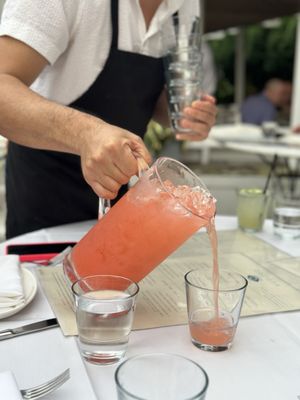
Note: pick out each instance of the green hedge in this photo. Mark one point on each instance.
(269, 52)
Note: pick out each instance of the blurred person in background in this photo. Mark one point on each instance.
(270, 105)
(79, 82)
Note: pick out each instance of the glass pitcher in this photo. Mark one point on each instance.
(167, 205)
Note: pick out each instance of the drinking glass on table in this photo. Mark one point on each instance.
(214, 307)
(252, 207)
(286, 216)
(181, 43)
(160, 376)
(104, 314)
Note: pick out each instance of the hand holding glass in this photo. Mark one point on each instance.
(183, 66)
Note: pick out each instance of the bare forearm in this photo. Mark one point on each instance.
(29, 119)
(108, 153)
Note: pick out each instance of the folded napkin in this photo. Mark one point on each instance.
(11, 286)
(8, 387)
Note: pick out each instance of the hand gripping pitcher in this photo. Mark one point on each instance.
(167, 205)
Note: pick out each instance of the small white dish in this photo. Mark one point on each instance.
(30, 288)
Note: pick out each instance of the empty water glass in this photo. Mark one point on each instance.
(182, 31)
(160, 376)
(181, 40)
(286, 217)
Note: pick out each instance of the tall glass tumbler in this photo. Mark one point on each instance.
(181, 41)
(160, 376)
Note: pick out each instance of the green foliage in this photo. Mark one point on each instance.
(155, 137)
(224, 54)
(269, 54)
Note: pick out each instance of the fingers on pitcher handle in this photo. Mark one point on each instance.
(104, 207)
(142, 165)
(104, 204)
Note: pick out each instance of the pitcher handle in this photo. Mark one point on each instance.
(142, 166)
(104, 204)
(104, 207)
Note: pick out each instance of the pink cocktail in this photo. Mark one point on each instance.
(214, 307)
(217, 331)
(163, 209)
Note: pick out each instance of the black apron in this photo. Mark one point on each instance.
(47, 188)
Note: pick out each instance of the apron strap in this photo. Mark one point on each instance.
(114, 6)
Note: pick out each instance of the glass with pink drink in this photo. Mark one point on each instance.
(214, 303)
(167, 205)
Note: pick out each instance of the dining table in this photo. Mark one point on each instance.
(280, 151)
(286, 149)
(248, 138)
(263, 363)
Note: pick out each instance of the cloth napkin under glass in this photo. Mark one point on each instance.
(11, 285)
(8, 386)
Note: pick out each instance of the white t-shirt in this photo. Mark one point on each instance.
(75, 37)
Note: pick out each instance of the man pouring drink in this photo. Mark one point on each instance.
(79, 82)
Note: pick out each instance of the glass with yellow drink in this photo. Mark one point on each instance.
(251, 209)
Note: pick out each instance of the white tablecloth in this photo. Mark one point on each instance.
(284, 150)
(264, 362)
(248, 138)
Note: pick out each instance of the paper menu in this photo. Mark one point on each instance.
(230, 242)
(274, 281)
(60, 298)
(270, 288)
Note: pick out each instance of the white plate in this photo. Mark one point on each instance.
(30, 288)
